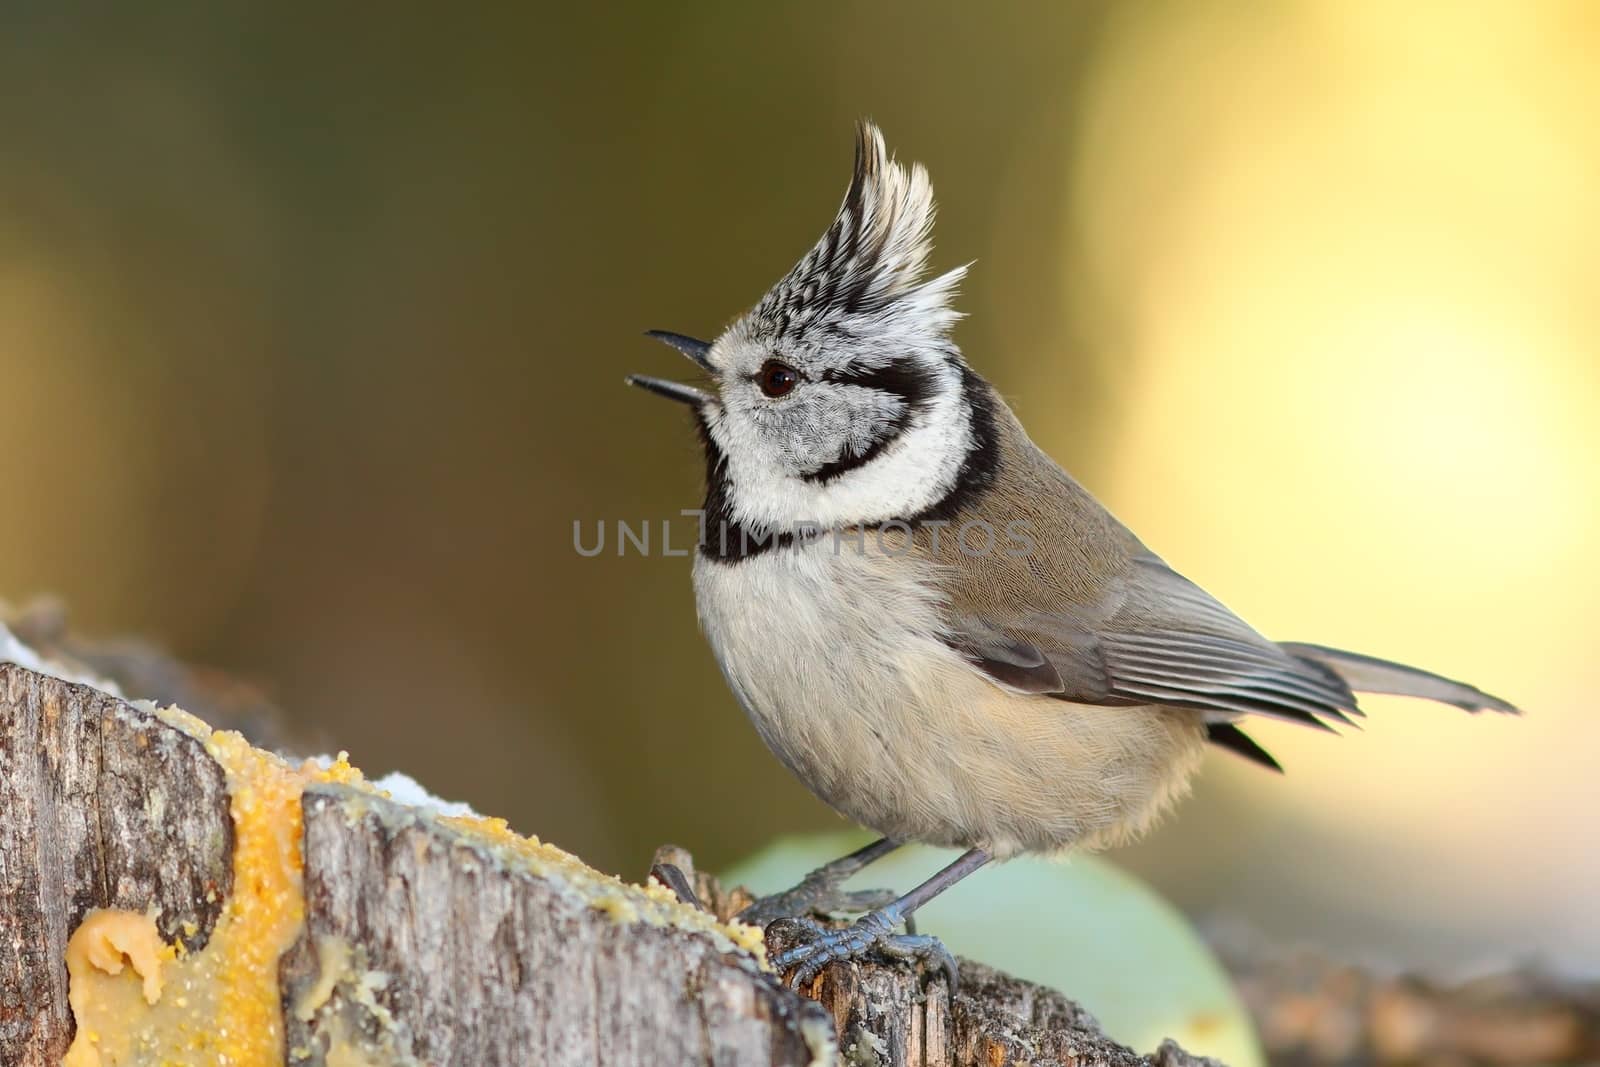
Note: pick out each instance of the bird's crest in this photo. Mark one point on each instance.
(865, 275)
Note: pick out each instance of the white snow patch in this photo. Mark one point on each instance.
(404, 789)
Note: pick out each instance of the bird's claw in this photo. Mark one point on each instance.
(925, 949)
(821, 945)
(814, 896)
(672, 876)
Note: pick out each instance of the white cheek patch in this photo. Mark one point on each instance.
(767, 488)
(828, 422)
(875, 415)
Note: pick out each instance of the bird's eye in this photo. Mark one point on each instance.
(778, 378)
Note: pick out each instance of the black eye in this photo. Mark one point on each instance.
(777, 378)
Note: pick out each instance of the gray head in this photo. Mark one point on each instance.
(839, 398)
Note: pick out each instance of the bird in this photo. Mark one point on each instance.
(929, 622)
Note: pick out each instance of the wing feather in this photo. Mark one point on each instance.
(1156, 639)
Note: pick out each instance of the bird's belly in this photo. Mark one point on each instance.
(838, 662)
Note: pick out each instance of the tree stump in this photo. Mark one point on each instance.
(407, 937)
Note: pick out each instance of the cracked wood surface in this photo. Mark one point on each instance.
(486, 961)
(450, 952)
(101, 806)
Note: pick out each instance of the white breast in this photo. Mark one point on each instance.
(835, 655)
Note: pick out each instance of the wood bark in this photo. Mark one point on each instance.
(479, 959)
(101, 805)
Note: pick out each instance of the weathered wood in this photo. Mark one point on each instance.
(101, 805)
(491, 959)
(432, 941)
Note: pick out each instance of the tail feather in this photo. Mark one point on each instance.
(1235, 740)
(1366, 674)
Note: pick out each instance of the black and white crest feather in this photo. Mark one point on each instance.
(864, 278)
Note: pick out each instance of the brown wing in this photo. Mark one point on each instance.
(1152, 640)
(1076, 608)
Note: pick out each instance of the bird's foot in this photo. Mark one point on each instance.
(821, 945)
(818, 894)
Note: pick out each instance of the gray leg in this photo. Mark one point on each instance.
(819, 891)
(875, 930)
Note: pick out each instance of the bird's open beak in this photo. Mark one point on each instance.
(695, 350)
(683, 394)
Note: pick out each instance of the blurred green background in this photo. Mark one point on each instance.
(313, 326)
